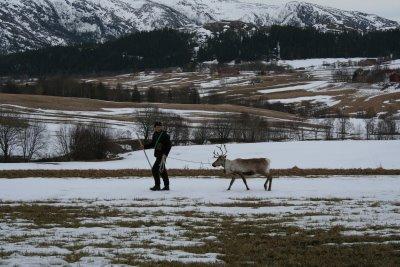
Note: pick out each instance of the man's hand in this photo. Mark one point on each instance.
(141, 146)
(162, 163)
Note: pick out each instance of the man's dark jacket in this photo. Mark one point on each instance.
(162, 147)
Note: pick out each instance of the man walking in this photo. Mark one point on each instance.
(162, 145)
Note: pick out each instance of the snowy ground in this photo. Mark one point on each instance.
(317, 62)
(99, 222)
(305, 154)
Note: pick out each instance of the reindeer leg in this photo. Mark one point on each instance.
(233, 179)
(266, 183)
(244, 181)
(270, 182)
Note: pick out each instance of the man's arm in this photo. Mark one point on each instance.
(166, 149)
(167, 145)
(149, 145)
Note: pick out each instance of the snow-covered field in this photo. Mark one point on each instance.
(85, 222)
(306, 154)
(317, 62)
(314, 85)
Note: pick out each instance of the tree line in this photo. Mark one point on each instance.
(67, 86)
(171, 48)
(26, 139)
(298, 43)
(140, 50)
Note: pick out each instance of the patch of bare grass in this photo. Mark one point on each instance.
(249, 204)
(297, 172)
(140, 224)
(244, 243)
(49, 216)
(4, 254)
(333, 199)
(75, 256)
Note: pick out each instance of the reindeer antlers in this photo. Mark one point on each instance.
(223, 152)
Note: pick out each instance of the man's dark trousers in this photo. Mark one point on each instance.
(156, 173)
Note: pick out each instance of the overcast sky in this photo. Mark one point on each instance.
(386, 8)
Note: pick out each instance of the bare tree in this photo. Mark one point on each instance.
(386, 128)
(315, 130)
(344, 125)
(202, 133)
(146, 119)
(32, 140)
(10, 127)
(64, 141)
(176, 126)
(223, 128)
(329, 124)
(249, 128)
(369, 128)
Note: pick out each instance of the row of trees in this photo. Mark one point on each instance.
(137, 51)
(368, 128)
(241, 127)
(382, 129)
(172, 48)
(25, 139)
(66, 86)
(298, 43)
(248, 128)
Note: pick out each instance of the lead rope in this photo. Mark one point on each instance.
(190, 161)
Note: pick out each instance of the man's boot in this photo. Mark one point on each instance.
(166, 188)
(155, 188)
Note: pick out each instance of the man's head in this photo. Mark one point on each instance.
(158, 126)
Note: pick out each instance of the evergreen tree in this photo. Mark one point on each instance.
(136, 97)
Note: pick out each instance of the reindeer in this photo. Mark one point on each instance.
(242, 167)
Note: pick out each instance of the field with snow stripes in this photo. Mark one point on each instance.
(85, 222)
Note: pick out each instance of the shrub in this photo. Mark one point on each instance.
(86, 142)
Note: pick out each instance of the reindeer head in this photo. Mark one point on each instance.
(220, 156)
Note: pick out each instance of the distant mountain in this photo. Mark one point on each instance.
(31, 24)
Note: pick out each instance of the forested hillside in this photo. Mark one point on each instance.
(298, 43)
(172, 48)
(141, 50)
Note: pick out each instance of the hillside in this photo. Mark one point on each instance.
(32, 24)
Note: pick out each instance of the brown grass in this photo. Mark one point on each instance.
(83, 104)
(259, 240)
(248, 243)
(188, 173)
(45, 215)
